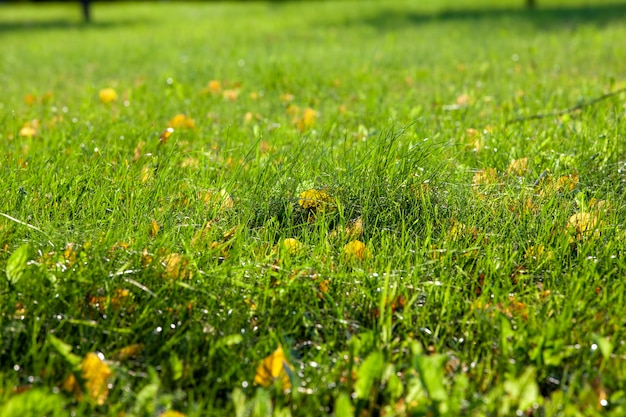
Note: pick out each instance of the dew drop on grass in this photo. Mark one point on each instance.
(594, 347)
(244, 384)
(604, 402)
(158, 329)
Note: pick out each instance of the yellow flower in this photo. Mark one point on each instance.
(356, 249)
(107, 95)
(181, 121)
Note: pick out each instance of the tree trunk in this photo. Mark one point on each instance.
(86, 11)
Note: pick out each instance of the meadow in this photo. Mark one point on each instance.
(351, 208)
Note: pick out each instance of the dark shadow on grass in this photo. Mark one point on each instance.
(546, 18)
(64, 24)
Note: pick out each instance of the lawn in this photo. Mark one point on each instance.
(320, 208)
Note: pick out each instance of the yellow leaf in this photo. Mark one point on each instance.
(353, 230)
(230, 95)
(485, 177)
(177, 267)
(181, 121)
(292, 246)
(154, 228)
(165, 135)
(286, 98)
(107, 95)
(29, 129)
(95, 374)
(30, 99)
(518, 167)
(214, 198)
(171, 413)
(214, 86)
(274, 368)
(146, 174)
(356, 249)
(128, 352)
(138, 152)
(316, 200)
(584, 224)
(307, 120)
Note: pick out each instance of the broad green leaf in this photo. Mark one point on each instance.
(370, 370)
(17, 263)
(262, 404)
(432, 375)
(343, 406)
(240, 402)
(34, 402)
(604, 344)
(65, 351)
(524, 390)
(176, 366)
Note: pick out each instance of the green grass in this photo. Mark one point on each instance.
(485, 290)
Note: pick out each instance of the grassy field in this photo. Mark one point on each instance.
(307, 209)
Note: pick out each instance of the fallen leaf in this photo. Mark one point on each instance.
(128, 352)
(95, 374)
(230, 95)
(214, 86)
(274, 368)
(356, 249)
(518, 167)
(107, 95)
(485, 177)
(177, 267)
(181, 121)
(292, 246)
(171, 413)
(165, 135)
(316, 200)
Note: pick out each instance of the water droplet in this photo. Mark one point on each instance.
(170, 81)
(158, 329)
(594, 347)
(16, 368)
(604, 402)
(244, 384)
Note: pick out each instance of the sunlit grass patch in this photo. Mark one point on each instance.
(312, 209)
